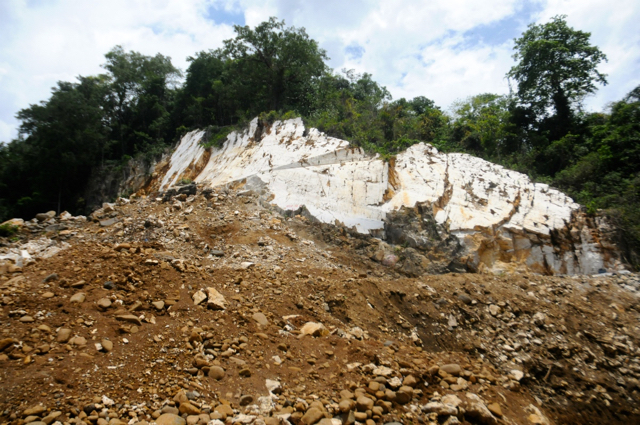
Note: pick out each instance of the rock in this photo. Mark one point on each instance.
(364, 403)
(494, 310)
(452, 369)
(109, 285)
(245, 372)
(78, 298)
(404, 395)
(495, 409)
(246, 400)
(63, 335)
(45, 216)
(34, 411)
(477, 409)
(312, 416)
(261, 319)
(6, 343)
(216, 372)
(466, 299)
(121, 246)
(189, 409)
(215, 300)
(27, 319)
(313, 329)
(129, 318)
(273, 387)
(441, 409)
(158, 305)
(104, 303)
(79, 341)
(410, 381)
(198, 297)
(107, 345)
(170, 419)
(109, 222)
(539, 319)
(48, 295)
(346, 405)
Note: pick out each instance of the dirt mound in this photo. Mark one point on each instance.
(210, 308)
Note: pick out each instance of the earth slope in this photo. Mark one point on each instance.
(209, 307)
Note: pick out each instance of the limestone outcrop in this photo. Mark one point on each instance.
(453, 209)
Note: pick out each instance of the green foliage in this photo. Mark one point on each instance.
(7, 230)
(557, 66)
(184, 181)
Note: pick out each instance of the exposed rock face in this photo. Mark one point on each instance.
(453, 210)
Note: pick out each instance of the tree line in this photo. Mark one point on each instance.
(142, 104)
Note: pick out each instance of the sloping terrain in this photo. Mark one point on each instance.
(208, 307)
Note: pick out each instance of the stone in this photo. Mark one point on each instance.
(246, 400)
(6, 343)
(495, 409)
(78, 298)
(215, 300)
(107, 345)
(79, 341)
(216, 372)
(158, 305)
(273, 387)
(63, 335)
(104, 303)
(189, 409)
(410, 381)
(346, 405)
(170, 419)
(198, 297)
(48, 295)
(466, 299)
(494, 310)
(34, 411)
(313, 329)
(312, 416)
(245, 372)
(364, 403)
(260, 319)
(27, 319)
(477, 409)
(129, 318)
(108, 222)
(452, 369)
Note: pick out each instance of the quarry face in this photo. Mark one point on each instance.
(501, 220)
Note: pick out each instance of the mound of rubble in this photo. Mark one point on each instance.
(204, 306)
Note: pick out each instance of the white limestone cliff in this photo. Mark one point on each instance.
(503, 220)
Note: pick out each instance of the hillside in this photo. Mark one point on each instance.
(210, 306)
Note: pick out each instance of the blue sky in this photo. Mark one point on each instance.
(443, 49)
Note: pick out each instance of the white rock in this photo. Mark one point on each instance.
(502, 219)
(198, 297)
(215, 300)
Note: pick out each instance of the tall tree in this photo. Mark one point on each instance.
(556, 68)
(278, 62)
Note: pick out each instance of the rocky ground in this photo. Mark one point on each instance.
(209, 308)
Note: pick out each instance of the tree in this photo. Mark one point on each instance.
(278, 63)
(556, 67)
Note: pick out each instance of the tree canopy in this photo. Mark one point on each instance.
(556, 66)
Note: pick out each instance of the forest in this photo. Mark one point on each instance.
(141, 105)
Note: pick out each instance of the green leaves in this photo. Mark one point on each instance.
(557, 66)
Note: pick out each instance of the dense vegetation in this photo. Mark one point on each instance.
(140, 106)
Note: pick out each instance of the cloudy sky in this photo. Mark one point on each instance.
(442, 49)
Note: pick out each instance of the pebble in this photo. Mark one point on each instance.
(107, 345)
(104, 303)
(246, 400)
(78, 298)
(312, 416)
(216, 372)
(63, 335)
(261, 319)
(170, 419)
(452, 369)
(48, 295)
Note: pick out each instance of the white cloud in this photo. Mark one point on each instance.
(433, 48)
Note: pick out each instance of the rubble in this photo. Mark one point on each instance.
(143, 322)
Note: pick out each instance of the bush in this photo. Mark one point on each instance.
(8, 229)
